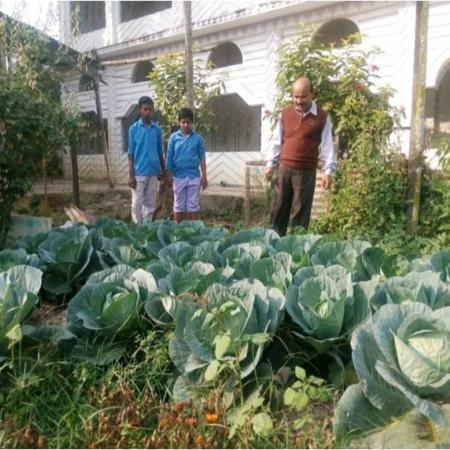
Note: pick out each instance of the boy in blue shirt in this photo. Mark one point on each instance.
(145, 162)
(185, 154)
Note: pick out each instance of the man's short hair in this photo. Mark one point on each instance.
(145, 100)
(186, 113)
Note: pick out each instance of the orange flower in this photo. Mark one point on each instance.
(212, 417)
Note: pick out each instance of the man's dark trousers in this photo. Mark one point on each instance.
(294, 194)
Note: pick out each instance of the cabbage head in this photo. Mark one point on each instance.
(326, 305)
(438, 262)
(67, 253)
(357, 257)
(423, 287)
(402, 359)
(108, 308)
(10, 258)
(299, 247)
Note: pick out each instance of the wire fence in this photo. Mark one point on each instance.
(259, 194)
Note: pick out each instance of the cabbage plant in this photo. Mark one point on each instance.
(357, 257)
(326, 305)
(67, 253)
(19, 288)
(191, 231)
(423, 287)
(116, 250)
(402, 359)
(299, 247)
(230, 330)
(255, 235)
(196, 278)
(10, 258)
(438, 262)
(108, 310)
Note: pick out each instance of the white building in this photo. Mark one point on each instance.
(244, 37)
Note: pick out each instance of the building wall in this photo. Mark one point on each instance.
(387, 25)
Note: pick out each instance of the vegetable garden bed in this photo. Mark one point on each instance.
(183, 335)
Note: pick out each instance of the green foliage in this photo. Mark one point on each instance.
(168, 79)
(343, 81)
(423, 287)
(435, 205)
(411, 431)
(19, 288)
(33, 123)
(10, 258)
(228, 333)
(369, 195)
(306, 389)
(51, 402)
(438, 262)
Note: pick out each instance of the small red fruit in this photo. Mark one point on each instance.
(179, 406)
(190, 421)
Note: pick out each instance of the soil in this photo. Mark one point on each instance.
(48, 314)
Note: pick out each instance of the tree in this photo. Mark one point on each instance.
(168, 80)
(344, 84)
(34, 125)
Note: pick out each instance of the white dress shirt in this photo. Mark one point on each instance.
(327, 153)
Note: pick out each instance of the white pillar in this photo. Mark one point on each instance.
(64, 22)
(112, 19)
(273, 42)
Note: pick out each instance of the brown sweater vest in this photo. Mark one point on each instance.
(301, 138)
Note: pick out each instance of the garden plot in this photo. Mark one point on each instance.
(230, 339)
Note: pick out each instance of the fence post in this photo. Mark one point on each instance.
(417, 142)
(75, 179)
(247, 195)
(98, 106)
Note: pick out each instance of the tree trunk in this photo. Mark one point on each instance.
(188, 54)
(417, 141)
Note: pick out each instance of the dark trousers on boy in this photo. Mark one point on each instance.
(293, 198)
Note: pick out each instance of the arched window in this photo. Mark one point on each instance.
(336, 33)
(439, 107)
(86, 83)
(226, 54)
(141, 71)
(238, 125)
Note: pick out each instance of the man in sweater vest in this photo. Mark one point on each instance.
(301, 130)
